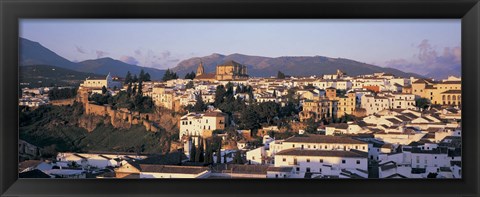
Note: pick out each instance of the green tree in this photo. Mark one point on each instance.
(134, 90)
(104, 90)
(422, 103)
(280, 75)
(199, 104)
(193, 151)
(147, 77)
(189, 85)
(238, 157)
(128, 78)
(169, 75)
(249, 118)
(140, 85)
(129, 89)
(219, 95)
(141, 76)
(219, 154)
(135, 79)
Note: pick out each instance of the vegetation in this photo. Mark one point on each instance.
(422, 103)
(189, 85)
(280, 75)
(141, 77)
(55, 128)
(169, 75)
(191, 75)
(64, 93)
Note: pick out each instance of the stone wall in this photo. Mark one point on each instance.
(63, 102)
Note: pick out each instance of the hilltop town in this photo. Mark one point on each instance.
(227, 124)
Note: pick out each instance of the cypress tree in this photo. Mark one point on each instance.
(192, 152)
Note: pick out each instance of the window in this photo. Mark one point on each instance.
(293, 145)
(358, 161)
(284, 159)
(308, 160)
(308, 169)
(343, 161)
(321, 160)
(298, 169)
(276, 175)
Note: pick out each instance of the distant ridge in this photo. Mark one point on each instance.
(33, 53)
(259, 66)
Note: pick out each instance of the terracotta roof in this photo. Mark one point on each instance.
(452, 92)
(394, 121)
(324, 139)
(206, 76)
(172, 169)
(452, 82)
(279, 169)
(28, 164)
(321, 153)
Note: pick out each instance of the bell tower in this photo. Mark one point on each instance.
(200, 69)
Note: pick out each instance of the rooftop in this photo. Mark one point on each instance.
(322, 153)
(324, 139)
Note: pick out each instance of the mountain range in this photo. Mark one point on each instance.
(259, 66)
(33, 53)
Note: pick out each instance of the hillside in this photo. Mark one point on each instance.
(118, 68)
(33, 53)
(57, 128)
(296, 66)
(46, 75)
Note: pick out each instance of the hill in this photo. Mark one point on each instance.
(46, 75)
(259, 66)
(118, 68)
(33, 53)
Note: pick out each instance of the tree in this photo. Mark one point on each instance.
(219, 154)
(191, 75)
(141, 76)
(280, 75)
(219, 94)
(312, 126)
(140, 85)
(199, 104)
(193, 152)
(238, 157)
(189, 85)
(169, 75)
(128, 78)
(135, 79)
(422, 103)
(147, 77)
(267, 111)
(129, 89)
(104, 90)
(249, 118)
(134, 91)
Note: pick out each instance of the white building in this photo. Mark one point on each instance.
(193, 124)
(323, 163)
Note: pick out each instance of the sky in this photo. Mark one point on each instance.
(409, 45)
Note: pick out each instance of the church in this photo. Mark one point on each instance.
(228, 71)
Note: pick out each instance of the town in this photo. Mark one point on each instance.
(232, 125)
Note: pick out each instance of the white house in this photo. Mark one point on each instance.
(323, 163)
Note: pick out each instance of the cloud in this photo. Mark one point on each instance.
(101, 54)
(138, 52)
(129, 60)
(428, 59)
(80, 50)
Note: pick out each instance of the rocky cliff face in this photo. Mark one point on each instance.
(90, 122)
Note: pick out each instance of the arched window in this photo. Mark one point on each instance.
(448, 97)
(443, 97)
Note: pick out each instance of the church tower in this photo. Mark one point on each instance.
(200, 69)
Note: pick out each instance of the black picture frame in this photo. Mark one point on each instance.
(11, 11)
